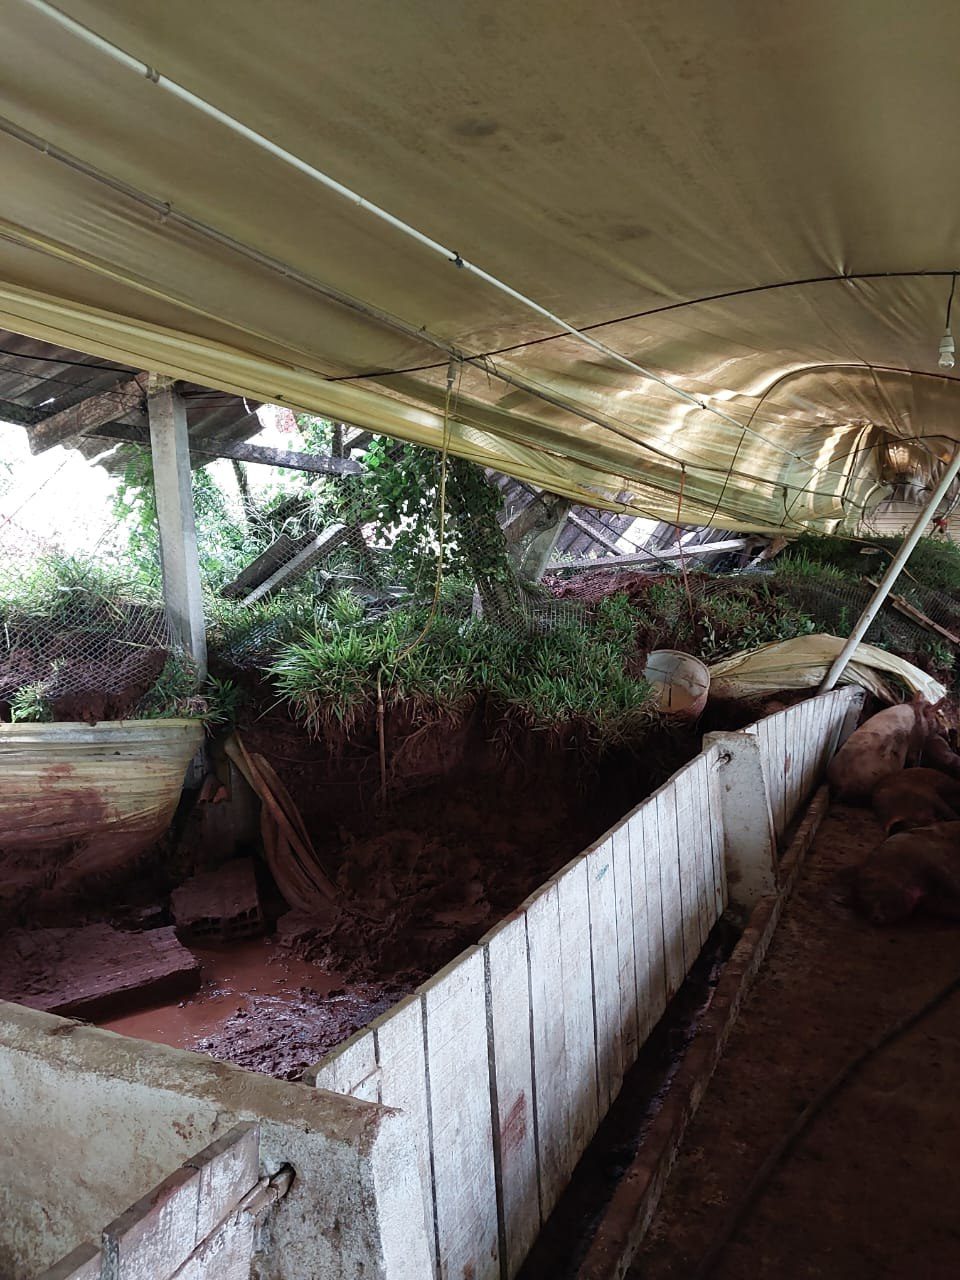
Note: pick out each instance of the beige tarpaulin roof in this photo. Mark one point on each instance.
(744, 197)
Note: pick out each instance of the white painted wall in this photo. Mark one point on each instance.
(472, 1100)
(508, 1060)
(93, 1120)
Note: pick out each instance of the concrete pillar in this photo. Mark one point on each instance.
(170, 447)
(750, 846)
(532, 534)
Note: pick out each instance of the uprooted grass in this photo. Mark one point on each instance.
(569, 675)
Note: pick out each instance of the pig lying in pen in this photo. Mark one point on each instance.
(916, 798)
(887, 741)
(919, 868)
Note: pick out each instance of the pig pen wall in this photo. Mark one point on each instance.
(92, 1121)
(472, 1100)
(508, 1059)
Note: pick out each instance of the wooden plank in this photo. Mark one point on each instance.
(229, 1168)
(811, 744)
(225, 1255)
(399, 1045)
(777, 777)
(915, 615)
(547, 1034)
(579, 1030)
(626, 950)
(82, 1263)
(717, 834)
(351, 1068)
(123, 398)
(687, 841)
(511, 1085)
(827, 721)
(657, 963)
(157, 1234)
(602, 891)
(289, 459)
(318, 548)
(671, 904)
(652, 557)
(455, 1018)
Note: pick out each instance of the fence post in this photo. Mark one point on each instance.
(749, 844)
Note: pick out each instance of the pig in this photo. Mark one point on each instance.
(919, 868)
(916, 798)
(938, 753)
(881, 746)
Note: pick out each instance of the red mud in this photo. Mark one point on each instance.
(429, 872)
(869, 1190)
(261, 1008)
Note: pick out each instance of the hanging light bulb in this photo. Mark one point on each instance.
(948, 351)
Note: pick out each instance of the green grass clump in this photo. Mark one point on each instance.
(567, 675)
(934, 562)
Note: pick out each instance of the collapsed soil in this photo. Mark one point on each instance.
(869, 1189)
(464, 836)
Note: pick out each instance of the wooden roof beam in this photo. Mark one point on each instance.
(95, 411)
(318, 463)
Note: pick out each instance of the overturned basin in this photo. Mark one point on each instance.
(77, 800)
(680, 681)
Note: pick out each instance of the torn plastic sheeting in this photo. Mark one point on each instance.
(803, 662)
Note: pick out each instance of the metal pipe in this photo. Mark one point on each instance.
(893, 572)
(141, 68)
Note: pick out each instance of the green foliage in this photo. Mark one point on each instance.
(400, 492)
(934, 563)
(29, 704)
(178, 693)
(71, 593)
(720, 616)
(549, 682)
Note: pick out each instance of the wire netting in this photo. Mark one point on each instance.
(82, 635)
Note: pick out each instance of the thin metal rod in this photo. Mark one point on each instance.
(893, 572)
(434, 246)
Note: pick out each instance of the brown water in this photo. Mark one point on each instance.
(232, 975)
(263, 1009)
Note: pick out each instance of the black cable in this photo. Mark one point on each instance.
(950, 299)
(656, 311)
(804, 1119)
(79, 364)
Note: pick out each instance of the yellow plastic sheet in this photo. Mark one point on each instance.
(802, 663)
(752, 202)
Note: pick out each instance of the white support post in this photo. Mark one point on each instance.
(750, 846)
(170, 447)
(893, 572)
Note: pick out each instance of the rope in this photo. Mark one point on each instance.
(454, 368)
(803, 1121)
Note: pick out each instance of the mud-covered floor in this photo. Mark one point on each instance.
(870, 1189)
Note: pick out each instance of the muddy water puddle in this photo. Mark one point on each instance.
(261, 1008)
